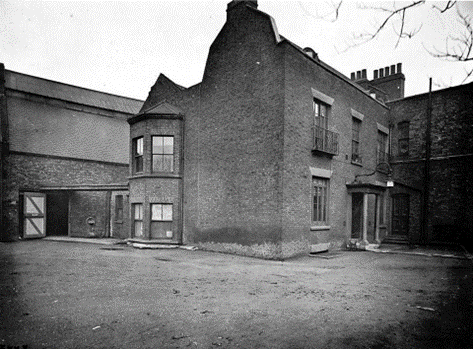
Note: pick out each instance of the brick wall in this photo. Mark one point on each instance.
(239, 134)
(31, 172)
(451, 215)
(158, 188)
(302, 74)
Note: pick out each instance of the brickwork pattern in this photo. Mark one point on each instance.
(451, 216)
(301, 75)
(30, 172)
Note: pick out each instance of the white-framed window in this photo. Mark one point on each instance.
(163, 153)
(138, 220)
(161, 220)
(137, 154)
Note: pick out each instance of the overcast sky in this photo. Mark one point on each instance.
(122, 47)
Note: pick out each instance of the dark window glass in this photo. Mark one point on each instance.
(403, 140)
(355, 143)
(320, 188)
(119, 207)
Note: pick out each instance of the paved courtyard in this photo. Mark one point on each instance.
(75, 295)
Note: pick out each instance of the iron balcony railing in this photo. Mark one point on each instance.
(383, 157)
(325, 141)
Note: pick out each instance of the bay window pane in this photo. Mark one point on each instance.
(167, 212)
(156, 212)
(157, 145)
(168, 145)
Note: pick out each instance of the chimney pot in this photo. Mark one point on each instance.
(375, 74)
(386, 71)
(381, 72)
(358, 75)
(353, 76)
(393, 69)
(363, 74)
(399, 68)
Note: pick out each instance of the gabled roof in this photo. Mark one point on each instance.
(163, 108)
(58, 90)
(281, 39)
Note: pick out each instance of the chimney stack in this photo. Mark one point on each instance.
(234, 3)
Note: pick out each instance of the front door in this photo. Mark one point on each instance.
(357, 216)
(400, 220)
(119, 215)
(34, 215)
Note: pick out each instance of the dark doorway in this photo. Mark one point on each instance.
(400, 220)
(357, 215)
(57, 206)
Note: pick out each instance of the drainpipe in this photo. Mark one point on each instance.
(425, 197)
(181, 187)
(4, 150)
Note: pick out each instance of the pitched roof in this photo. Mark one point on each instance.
(70, 93)
(279, 39)
(163, 108)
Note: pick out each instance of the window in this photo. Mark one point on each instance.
(320, 115)
(403, 140)
(119, 208)
(138, 220)
(320, 188)
(382, 147)
(161, 221)
(324, 140)
(163, 154)
(138, 154)
(355, 143)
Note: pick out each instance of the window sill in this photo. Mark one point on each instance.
(319, 227)
(155, 175)
(357, 163)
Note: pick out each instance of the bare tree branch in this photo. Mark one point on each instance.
(463, 49)
(447, 7)
(336, 11)
(391, 15)
(458, 46)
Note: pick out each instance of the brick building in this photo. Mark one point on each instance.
(273, 154)
(448, 183)
(259, 158)
(64, 159)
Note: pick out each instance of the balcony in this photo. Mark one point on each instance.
(382, 157)
(325, 141)
(356, 159)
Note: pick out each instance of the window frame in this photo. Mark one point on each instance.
(119, 208)
(382, 142)
(166, 222)
(320, 120)
(163, 155)
(138, 219)
(320, 212)
(403, 128)
(356, 140)
(137, 144)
